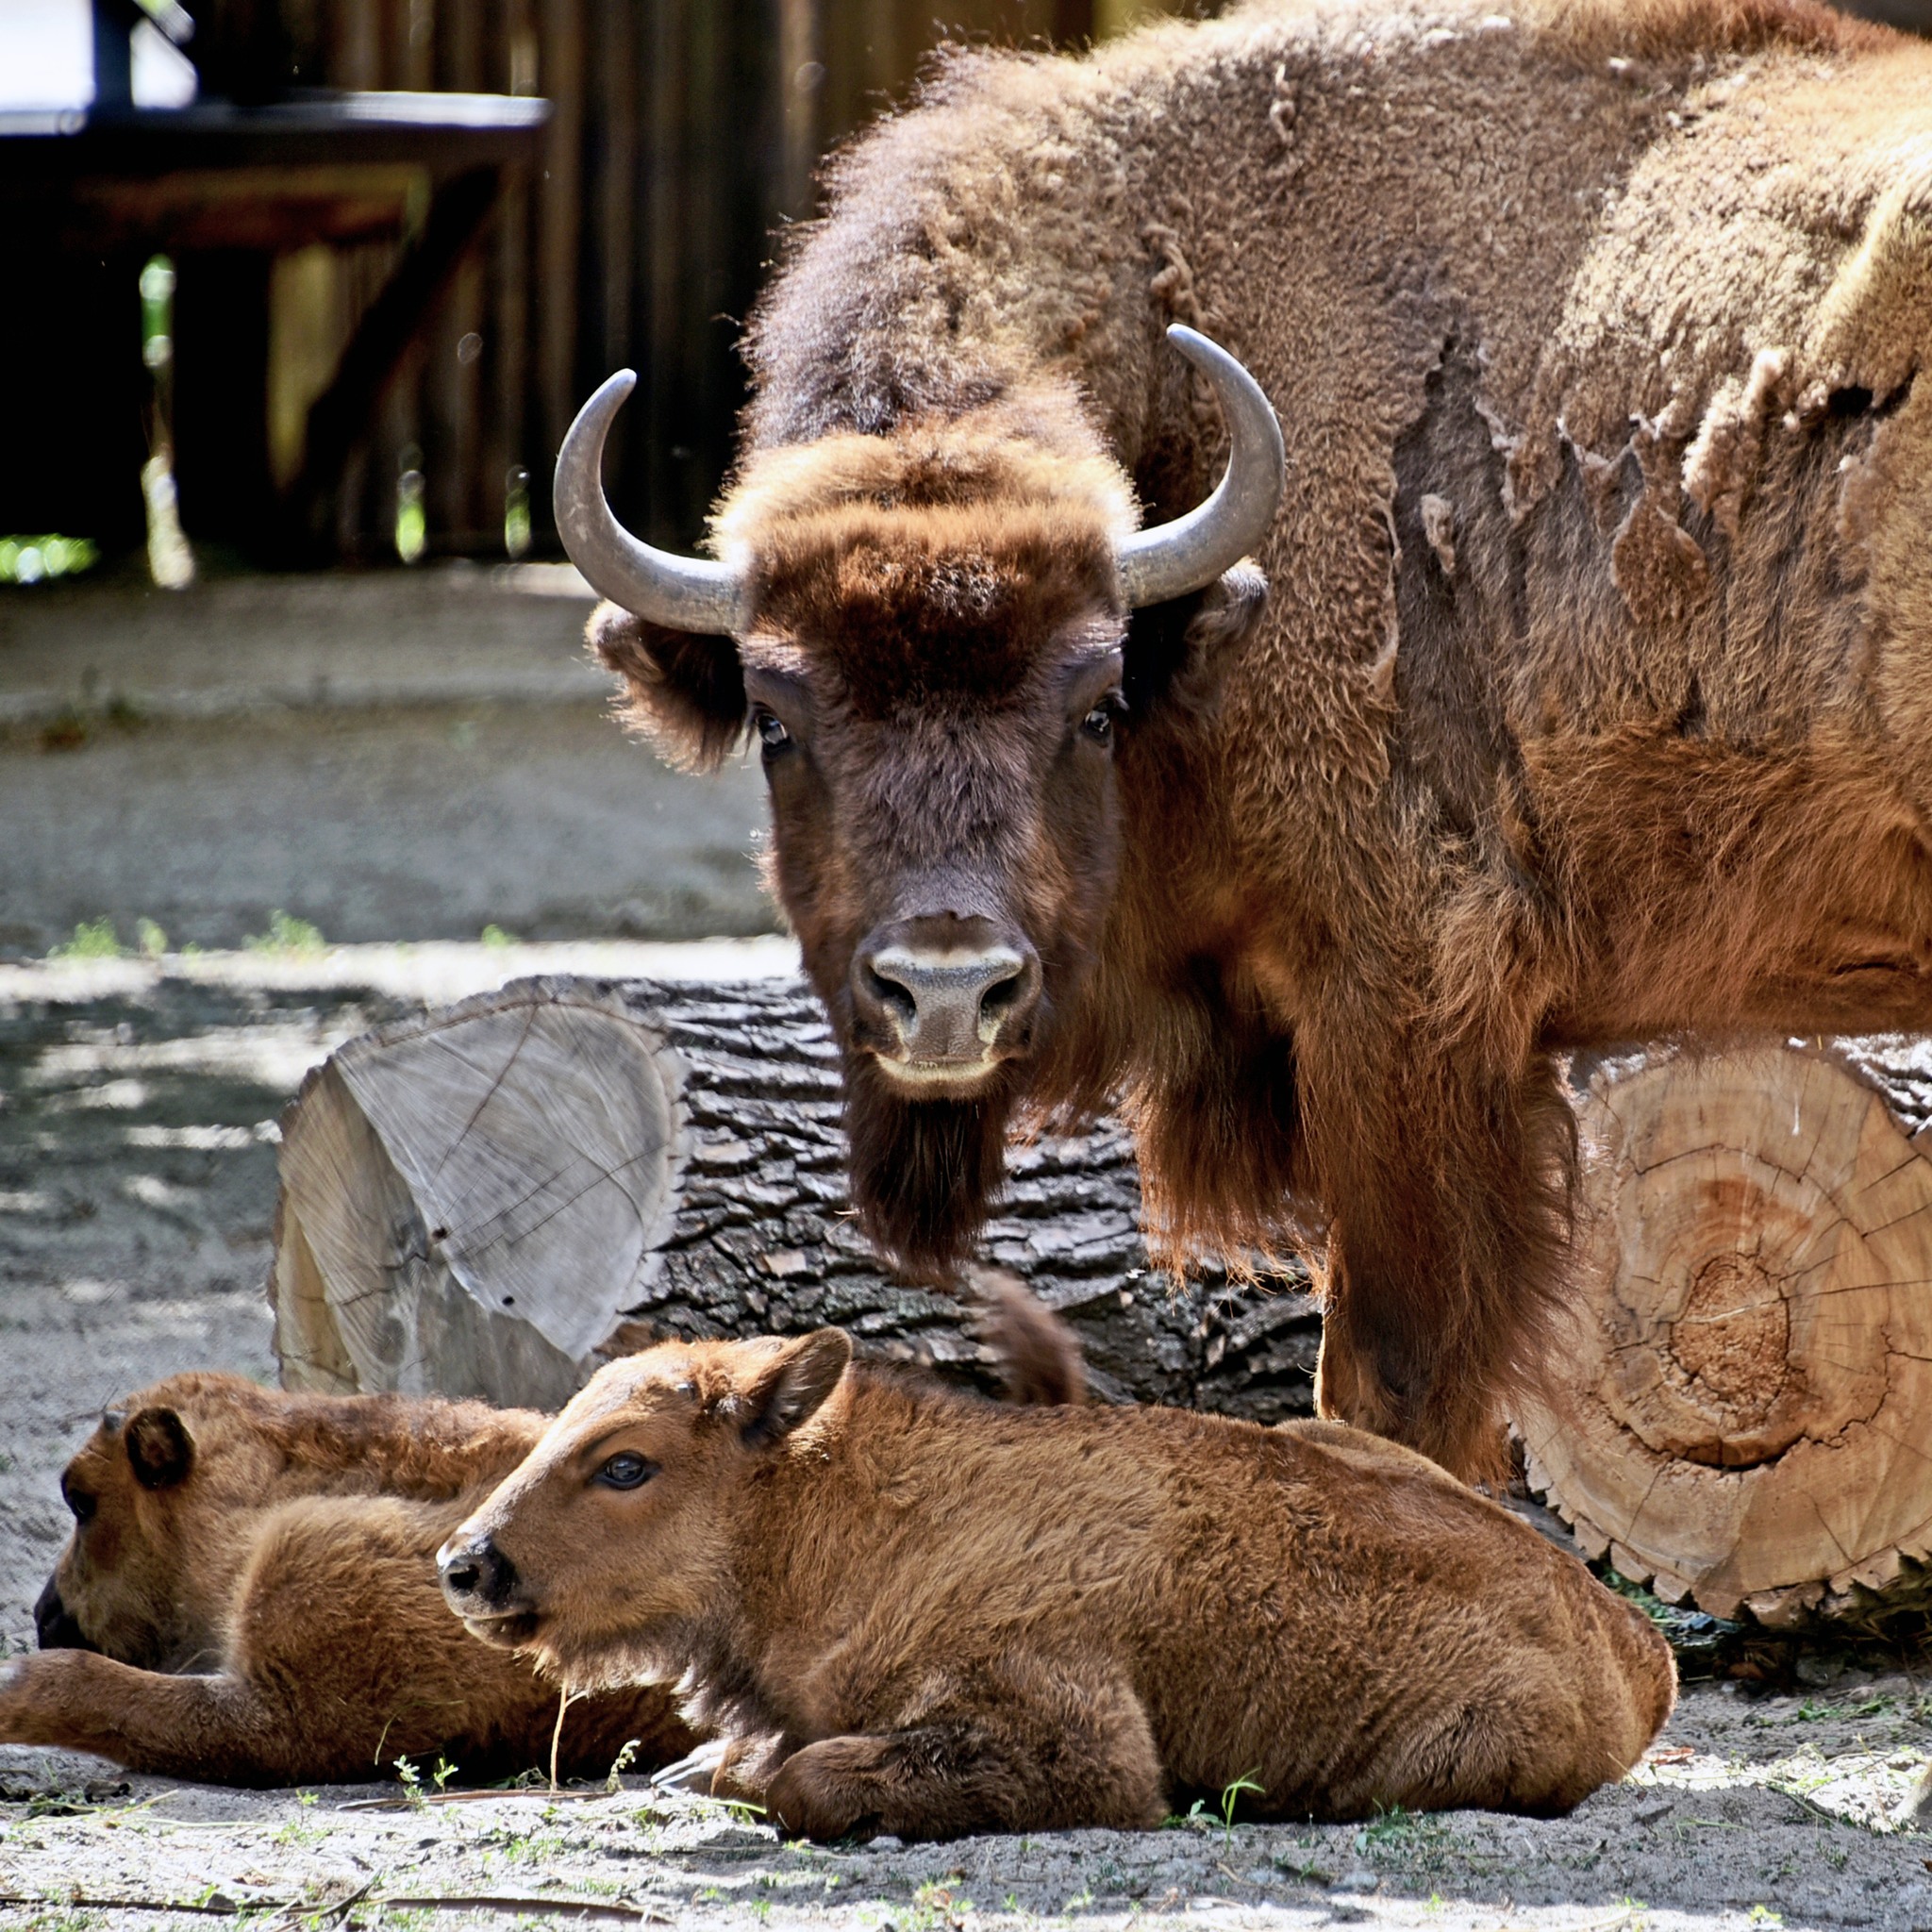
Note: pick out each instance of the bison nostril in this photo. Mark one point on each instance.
(894, 997)
(997, 1001)
(461, 1575)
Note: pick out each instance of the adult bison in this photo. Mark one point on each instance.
(1593, 699)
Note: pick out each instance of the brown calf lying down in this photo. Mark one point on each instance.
(913, 1614)
(283, 1545)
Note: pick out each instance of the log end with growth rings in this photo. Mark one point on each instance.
(1741, 1415)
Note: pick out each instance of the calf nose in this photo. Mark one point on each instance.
(476, 1574)
(53, 1628)
(949, 1006)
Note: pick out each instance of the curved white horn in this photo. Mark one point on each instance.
(1188, 554)
(680, 593)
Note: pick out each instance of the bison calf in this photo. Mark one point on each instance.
(914, 1614)
(249, 1596)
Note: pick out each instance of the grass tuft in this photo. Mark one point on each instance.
(93, 939)
(288, 935)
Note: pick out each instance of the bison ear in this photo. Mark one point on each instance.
(1178, 653)
(790, 1389)
(684, 693)
(158, 1447)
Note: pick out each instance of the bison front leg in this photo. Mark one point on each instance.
(215, 1728)
(1448, 1247)
(1026, 1747)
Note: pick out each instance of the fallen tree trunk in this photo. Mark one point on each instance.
(1741, 1412)
(484, 1199)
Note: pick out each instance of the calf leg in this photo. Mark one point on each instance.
(343, 1657)
(1021, 1746)
(217, 1728)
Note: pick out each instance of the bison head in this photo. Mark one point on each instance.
(926, 631)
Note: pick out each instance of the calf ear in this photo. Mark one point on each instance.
(790, 1390)
(1178, 653)
(158, 1447)
(684, 693)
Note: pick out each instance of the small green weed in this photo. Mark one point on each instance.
(93, 939)
(150, 938)
(296, 1833)
(287, 934)
(1811, 1711)
(937, 1907)
(35, 559)
(1403, 1834)
(496, 939)
(411, 1780)
(620, 1764)
(1231, 1796)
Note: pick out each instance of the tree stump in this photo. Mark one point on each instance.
(1740, 1411)
(483, 1199)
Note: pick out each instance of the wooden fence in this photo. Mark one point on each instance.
(684, 135)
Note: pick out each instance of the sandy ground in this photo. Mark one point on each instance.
(136, 1180)
(392, 756)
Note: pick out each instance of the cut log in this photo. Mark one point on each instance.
(486, 1199)
(1740, 1412)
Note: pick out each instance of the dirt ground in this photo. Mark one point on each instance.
(390, 756)
(136, 1180)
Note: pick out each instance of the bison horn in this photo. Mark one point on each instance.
(679, 592)
(1188, 554)
(696, 595)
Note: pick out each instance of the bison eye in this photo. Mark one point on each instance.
(80, 1501)
(1098, 723)
(771, 729)
(626, 1471)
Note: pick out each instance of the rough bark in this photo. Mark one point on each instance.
(483, 1199)
(1742, 1412)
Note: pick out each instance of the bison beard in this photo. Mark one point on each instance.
(923, 1171)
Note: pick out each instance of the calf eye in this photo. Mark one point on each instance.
(771, 729)
(626, 1471)
(80, 1501)
(1098, 723)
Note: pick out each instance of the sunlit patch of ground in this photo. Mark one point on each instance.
(1644, 1856)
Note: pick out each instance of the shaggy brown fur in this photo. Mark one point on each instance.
(913, 1614)
(1593, 696)
(249, 1597)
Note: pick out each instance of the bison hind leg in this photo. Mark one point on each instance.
(1481, 1756)
(1025, 1745)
